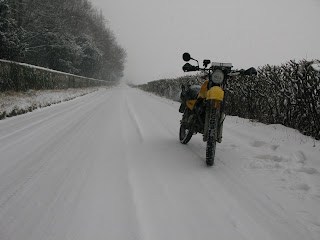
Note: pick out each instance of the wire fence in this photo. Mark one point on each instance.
(22, 77)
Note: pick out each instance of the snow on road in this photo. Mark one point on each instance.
(109, 166)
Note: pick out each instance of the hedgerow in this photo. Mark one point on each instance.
(21, 77)
(286, 94)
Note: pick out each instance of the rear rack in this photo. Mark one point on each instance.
(217, 64)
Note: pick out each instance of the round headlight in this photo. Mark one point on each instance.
(217, 76)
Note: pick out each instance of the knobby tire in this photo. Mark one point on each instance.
(212, 135)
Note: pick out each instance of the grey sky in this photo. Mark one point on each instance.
(247, 33)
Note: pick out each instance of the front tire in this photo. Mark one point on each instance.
(212, 136)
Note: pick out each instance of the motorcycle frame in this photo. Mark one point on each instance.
(212, 94)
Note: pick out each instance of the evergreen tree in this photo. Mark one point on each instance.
(11, 46)
(65, 35)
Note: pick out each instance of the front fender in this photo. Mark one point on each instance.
(215, 93)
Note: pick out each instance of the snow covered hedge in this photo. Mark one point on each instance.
(22, 77)
(288, 94)
(17, 103)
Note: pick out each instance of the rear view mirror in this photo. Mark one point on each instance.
(186, 57)
(250, 71)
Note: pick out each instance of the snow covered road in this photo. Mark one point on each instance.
(109, 165)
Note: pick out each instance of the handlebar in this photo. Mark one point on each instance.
(190, 68)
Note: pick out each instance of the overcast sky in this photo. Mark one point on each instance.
(155, 33)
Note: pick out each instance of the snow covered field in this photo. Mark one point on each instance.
(32, 99)
(109, 165)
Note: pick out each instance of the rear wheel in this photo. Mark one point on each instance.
(185, 134)
(212, 136)
(186, 131)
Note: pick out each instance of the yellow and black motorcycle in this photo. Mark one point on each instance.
(203, 106)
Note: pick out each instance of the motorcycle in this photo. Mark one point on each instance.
(203, 107)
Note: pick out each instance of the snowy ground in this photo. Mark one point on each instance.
(30, 100)
(109, 165)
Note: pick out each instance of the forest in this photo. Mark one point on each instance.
(65, 35)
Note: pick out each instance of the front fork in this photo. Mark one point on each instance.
(222, 117)
(219, 105)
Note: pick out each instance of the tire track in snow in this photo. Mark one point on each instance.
(32, 162)
(161, 119)
(130, 162)
(133, 117)
(23, 142)
(21, 166)
(55, 111)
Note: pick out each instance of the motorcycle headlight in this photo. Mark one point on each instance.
(217, 76)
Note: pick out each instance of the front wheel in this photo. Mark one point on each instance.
(212, 136)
